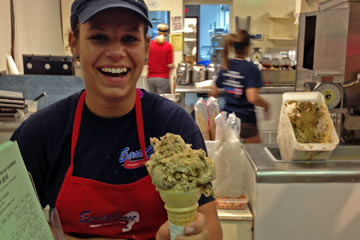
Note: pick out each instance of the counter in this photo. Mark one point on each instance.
(343, 166)
(7, 129)
(303, 200)
(236, 224)
(266, 89)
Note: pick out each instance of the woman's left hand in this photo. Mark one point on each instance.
(193, 231)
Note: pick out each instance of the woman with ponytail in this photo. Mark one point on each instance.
(241, 81)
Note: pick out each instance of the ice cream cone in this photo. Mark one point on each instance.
(181, 208)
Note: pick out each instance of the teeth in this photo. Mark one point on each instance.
(114, 70)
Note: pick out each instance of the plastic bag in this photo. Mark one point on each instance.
(226, 152)
(205, 114)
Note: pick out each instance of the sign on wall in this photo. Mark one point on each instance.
(176, 40)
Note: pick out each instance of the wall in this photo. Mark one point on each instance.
(260, 11)
(37, 29)
(310, 6)
(5, 33)
(65, 22)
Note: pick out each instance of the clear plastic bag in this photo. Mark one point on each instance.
(226, 153)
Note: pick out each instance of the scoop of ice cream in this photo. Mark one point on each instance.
(309, 122)
(176, 166)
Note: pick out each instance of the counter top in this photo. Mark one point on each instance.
(9, 125)
(235, 215)
(342, 166)
(190, 89)
(265, 89)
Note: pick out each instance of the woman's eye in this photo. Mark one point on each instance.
(98, 38)
(129, 39)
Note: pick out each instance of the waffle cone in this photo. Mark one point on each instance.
(181, 207)
(181, 216)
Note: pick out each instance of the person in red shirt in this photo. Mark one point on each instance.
(160, 62)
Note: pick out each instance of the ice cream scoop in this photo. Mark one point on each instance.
(176, 166)
(180, 174)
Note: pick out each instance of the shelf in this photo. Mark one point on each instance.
(282, 28)
(282, 18)
(282, 39)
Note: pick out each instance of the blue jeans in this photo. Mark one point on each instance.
(159, 85)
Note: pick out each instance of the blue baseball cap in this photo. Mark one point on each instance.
(82, 10)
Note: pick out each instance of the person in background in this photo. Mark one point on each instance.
(160, 61)
(87, 152)
(241, 81)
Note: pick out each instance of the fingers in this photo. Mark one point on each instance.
(163, 233)
(195, 226)
(195, 230)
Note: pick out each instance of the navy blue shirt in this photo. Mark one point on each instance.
(103, 145)
(240, 76)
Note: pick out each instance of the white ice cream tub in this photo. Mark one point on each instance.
(290, 148)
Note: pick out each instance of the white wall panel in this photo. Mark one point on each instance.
(5, 33)
(37, 29)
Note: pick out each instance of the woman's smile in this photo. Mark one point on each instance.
(115, 74)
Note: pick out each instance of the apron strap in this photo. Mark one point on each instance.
(76, 128)
(140, 123)
(77, 123)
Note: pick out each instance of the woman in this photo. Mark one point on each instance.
(87, 152)
(241, 81)
(160, 61)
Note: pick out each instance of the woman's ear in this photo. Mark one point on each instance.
(73, 44)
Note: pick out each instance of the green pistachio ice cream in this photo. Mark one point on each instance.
(309, 122)
(175, 166)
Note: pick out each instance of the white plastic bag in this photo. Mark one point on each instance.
(226, 153)
(205, 114)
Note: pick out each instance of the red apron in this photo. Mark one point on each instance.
(130, 211)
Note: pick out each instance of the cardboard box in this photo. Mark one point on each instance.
(190, 60)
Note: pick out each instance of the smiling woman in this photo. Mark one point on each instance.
(72, 148)
(112, 57)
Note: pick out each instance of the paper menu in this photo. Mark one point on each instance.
(21, 215)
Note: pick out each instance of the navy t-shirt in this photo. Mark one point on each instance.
(241, 75)
(103, 145)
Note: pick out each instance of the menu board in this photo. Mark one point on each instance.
(21, 215)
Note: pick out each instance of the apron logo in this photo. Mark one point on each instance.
(132, 160)
(126, 221)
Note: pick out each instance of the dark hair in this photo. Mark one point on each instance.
(239, 41)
